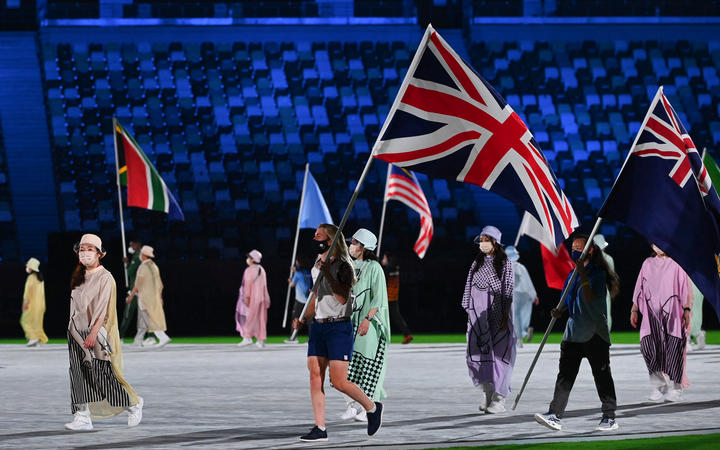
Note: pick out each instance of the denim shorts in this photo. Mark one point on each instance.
(333, 340)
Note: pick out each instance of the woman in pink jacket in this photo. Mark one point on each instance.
(253, 303)
(664, 298)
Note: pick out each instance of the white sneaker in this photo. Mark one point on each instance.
(361, 416)
(135, 413)
(675, 395)
(163, 342)
(657, 395)
(350, 412)
(291, 341)
(245, 342)
(519, 342)
(550, 420)
(149, 342)
(33, 343)
(81, 422)
(497, 406)
(260, 344)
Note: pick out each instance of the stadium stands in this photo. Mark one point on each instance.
(9, 249)
(231, 125)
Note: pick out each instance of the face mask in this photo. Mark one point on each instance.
(131, 250)
(486, 247)
(355, 251)
(320, 246)
(575, 255)
(657, 250)
(28, 270)
(87, 258)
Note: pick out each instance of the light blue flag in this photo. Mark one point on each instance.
(314, 210)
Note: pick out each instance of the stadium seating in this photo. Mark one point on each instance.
(9, 249)
(230, 126)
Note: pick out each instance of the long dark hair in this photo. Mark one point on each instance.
(597, 259)
(78, 276)
(369, 255)
(498, 262)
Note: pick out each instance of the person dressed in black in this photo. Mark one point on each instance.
(586, 336)
(392, 276)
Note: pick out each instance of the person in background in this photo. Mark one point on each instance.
(148, 289)
(664, 298)
(586, 335)
(392, 275)
(488, 300)
(696, 331)
(330, 347)
(302, 282)
(524, 296)
(600, 241)
(97, 386)
(253, 303)
(132, 264)
(371, 324)
(33, 307)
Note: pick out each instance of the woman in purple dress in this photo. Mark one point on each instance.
(490, 336)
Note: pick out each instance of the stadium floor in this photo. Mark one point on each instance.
(220, 396)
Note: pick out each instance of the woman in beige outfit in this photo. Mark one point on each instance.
(33, 308)
(148, 287)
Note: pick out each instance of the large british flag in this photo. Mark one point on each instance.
(664, 192)
(448, 122)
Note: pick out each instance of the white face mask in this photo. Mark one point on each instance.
(88, 258)
(131, 250)
(355, 251)
(486, 247)
(28, 270)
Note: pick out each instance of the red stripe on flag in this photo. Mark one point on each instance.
(457, 70)
(137, 182)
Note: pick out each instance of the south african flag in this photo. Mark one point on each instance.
(145, 188)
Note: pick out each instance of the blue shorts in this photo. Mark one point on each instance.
(333, 340)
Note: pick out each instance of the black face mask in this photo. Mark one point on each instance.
(320, 246)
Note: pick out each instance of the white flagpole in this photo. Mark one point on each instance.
(384, 208)
(120, 206)
(295, 246)
(703, 155)
(520, 230)
(361, 181)
(559, 306)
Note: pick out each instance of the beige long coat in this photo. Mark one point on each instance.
(149, 287)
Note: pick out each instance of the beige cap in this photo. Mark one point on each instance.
(147, 251)
(33, 264)
(92, 239)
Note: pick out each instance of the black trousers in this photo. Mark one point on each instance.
(396, 319)
(597, 352)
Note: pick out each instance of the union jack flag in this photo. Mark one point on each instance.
(402, 185)
(447, 121)
(665, 193)
(664, 136)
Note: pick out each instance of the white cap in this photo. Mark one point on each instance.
(94, 240)
(147, 251)
(33, 264)
(366, 238)
(256, 256)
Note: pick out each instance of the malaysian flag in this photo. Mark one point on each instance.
(665, 193)
(448, 122)
(402, 185)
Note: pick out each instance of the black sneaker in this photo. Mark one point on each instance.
(375, 419)
(315, 435)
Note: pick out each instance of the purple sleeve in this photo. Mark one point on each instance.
(468, 284)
